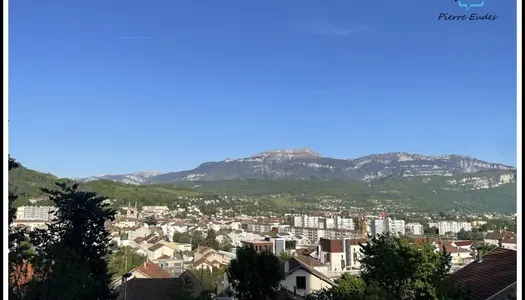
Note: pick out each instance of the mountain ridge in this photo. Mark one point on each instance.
(490, 191)
(307, 164)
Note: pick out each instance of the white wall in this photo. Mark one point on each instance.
(509, 246)
(313, 283)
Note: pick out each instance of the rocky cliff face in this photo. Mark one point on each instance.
(308, 164)
(132, 178)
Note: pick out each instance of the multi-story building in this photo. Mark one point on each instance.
(40, 213)
(453, 226)
(341, 254)
(384, 225)
(314, 234)
(332, 253)
(414, 229)
(306, 221)
(281, 245)
(344, 223)
(258, 227)
(338, 223)
(260, 246)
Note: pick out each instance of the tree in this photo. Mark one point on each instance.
(284, 256)
(181, 237)
(210, 239)
(254, 275)
(151, 221)
(349, 284)
(349, 287)
(487, 248)
(226, 247)
(18, 245)
(196, 239)
(403, 270)
(124, 260)
(75, 240)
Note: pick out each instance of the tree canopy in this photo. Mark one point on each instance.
(393, 268)
(71, 254)
(254, 275)
(211, 239)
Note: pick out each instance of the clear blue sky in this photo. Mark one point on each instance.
(121, 86)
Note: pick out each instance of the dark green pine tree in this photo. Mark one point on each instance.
(71, 259)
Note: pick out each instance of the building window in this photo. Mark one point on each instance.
(300, 282)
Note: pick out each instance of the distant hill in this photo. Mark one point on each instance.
(306, 164)
(480, 192)
(26, 184)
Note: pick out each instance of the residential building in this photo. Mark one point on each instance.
(344, 223)
(281, 245)
(258, 227)
(138, 231)
(332, 253)
(203, 264)
(30, 224)
(213, 257)
(259, 245)
(159, 250)
(174, 265)
(302, 279)
(452, 226)
(37, 213)
(155, 209)
(306, 221)
(414, 229)
(384, 225)
(502, 238)
(146, 270)
(353, 253)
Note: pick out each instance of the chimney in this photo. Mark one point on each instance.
(145, 264)
(480, 255)
(286, 266)
(295, 291)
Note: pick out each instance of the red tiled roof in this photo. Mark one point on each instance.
(151, 270)
(499, 235)
(156, 247)
(463, 243)
(452, 249)
(495, 272)
(509, 239)
(308, 260)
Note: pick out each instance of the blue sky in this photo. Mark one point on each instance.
(120, 86)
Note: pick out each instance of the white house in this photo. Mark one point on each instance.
(302, 279)
(159, 250)
(509, 242)
(502, 238)
(139, 231)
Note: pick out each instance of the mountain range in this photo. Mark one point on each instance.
(296, 178)
(306, 164)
